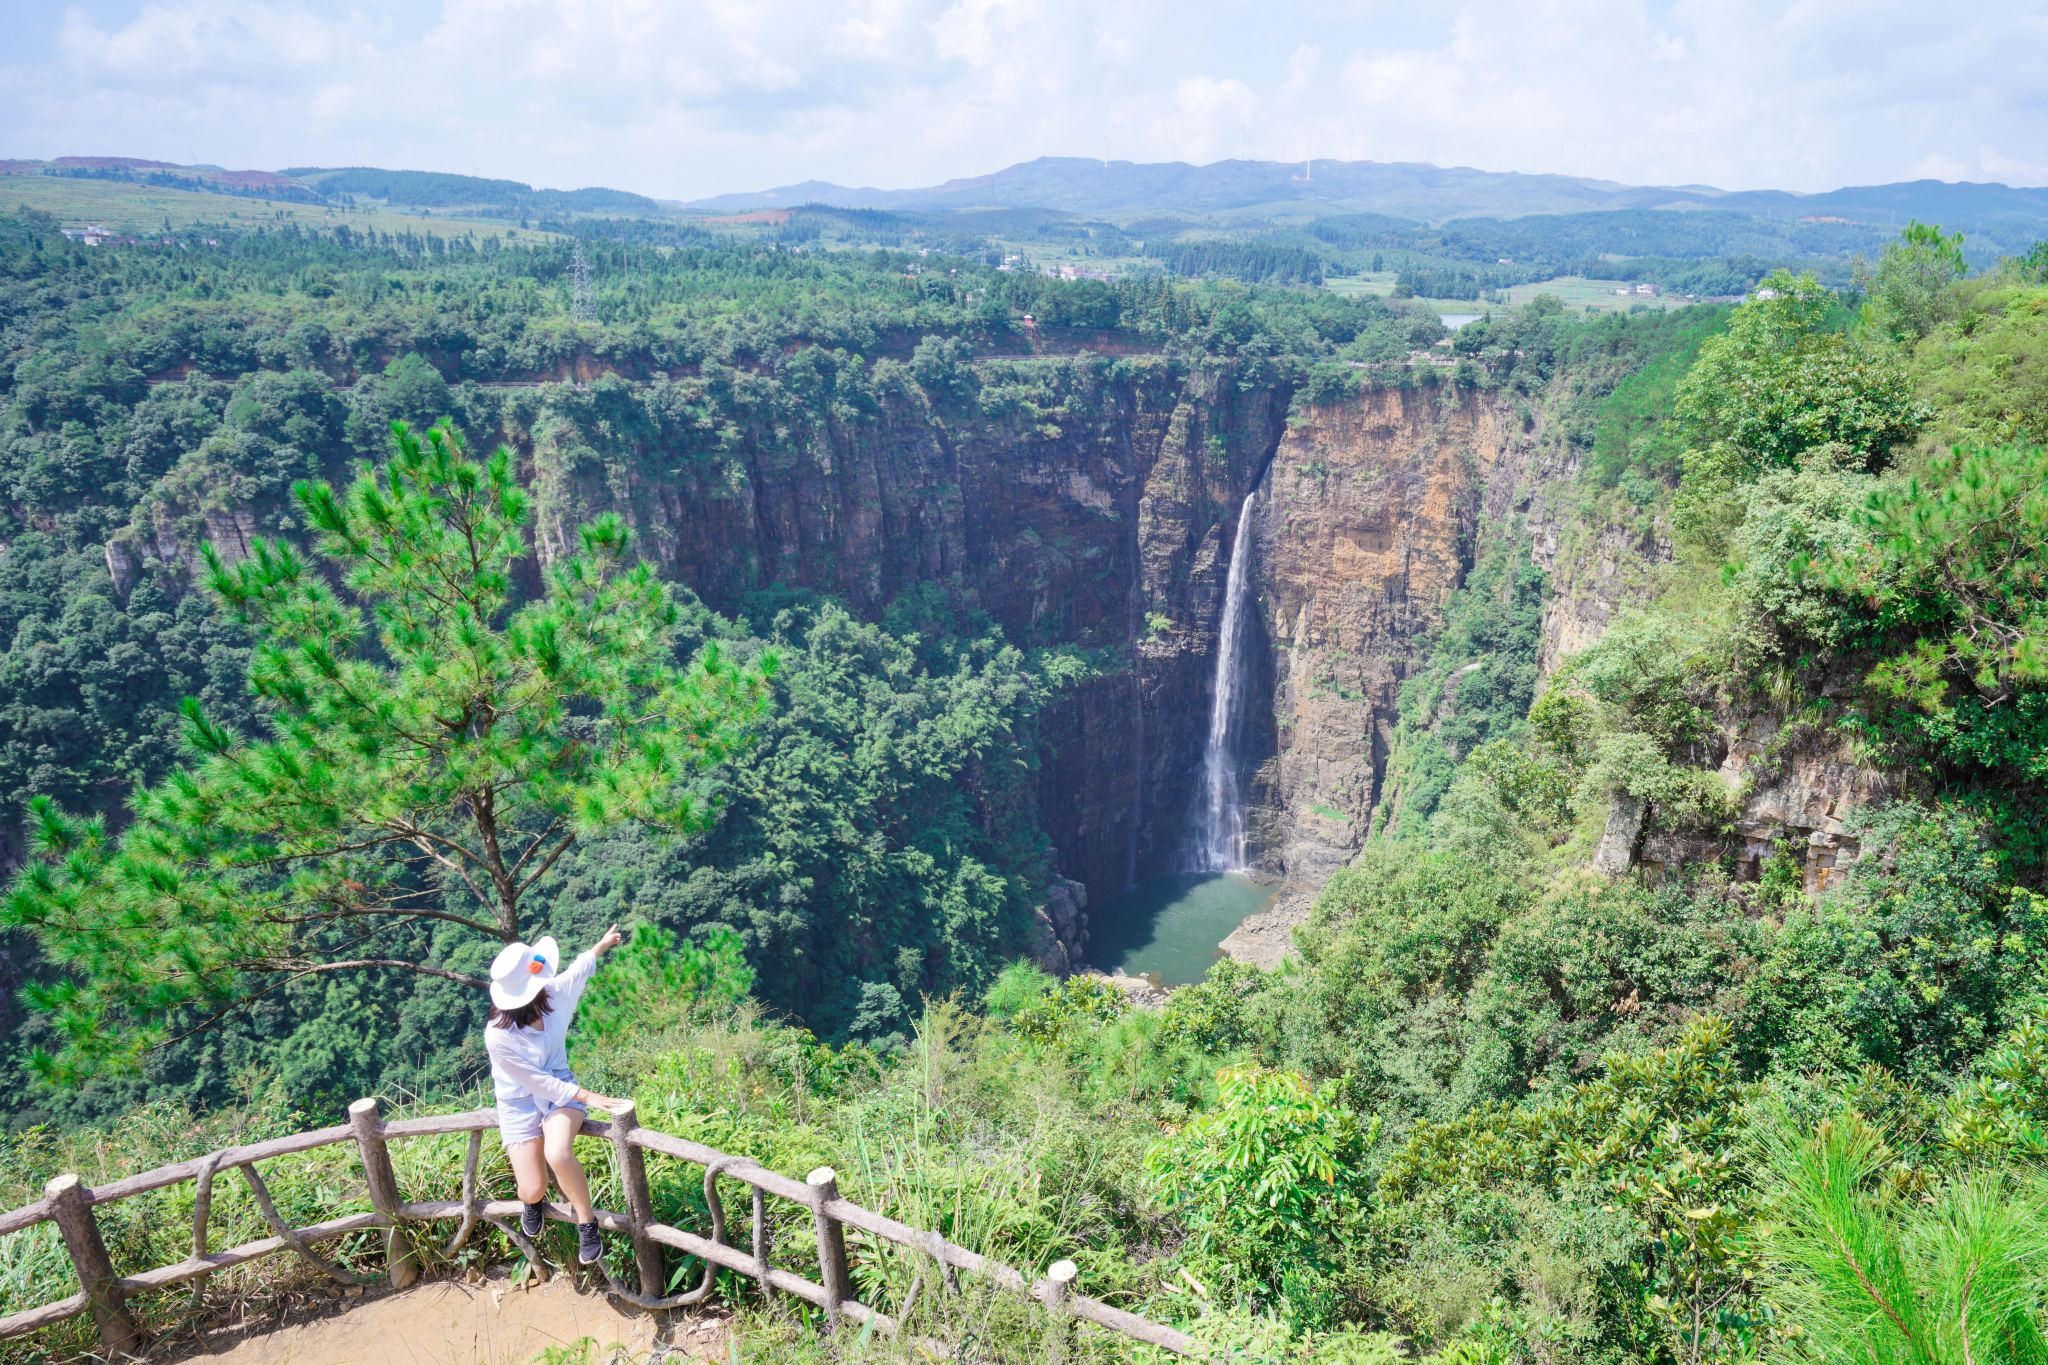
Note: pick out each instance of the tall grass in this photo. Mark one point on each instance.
(1023, 1152)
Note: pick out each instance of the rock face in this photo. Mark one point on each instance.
(1369, 524)
(1062, 926)
(1104, 520)
(1799, 791)
(1593, 577)
(129, 553)
(1372, 513)
(1095, 502)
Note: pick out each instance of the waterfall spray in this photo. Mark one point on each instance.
(1219, 830)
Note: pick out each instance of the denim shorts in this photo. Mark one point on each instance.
(520, 1120)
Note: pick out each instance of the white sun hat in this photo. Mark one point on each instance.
(522, 971)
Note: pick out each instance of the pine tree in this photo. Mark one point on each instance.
(432, 750)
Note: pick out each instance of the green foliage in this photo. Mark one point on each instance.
(1959, 561)
(1212, 1015)
(1064, 1013)
(1917, 963)
(91, 686)
(1477, 687)
(1986, 373)
(1251, 262)
(1952, 1278)
(652, 983)
(1998, 1114)
(1394, 942)
(1653, 735)
(470, 748)
(414, 389)
(1269, 1180)
(1912, 290)
(879, 843)
(1658, 1135)
(1795, 522)
(1636, 427)
(1780, 382)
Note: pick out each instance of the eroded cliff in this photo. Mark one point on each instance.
(1078, 501)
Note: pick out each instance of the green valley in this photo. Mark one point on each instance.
(1641, 728)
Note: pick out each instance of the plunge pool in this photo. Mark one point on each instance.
(1171, 925)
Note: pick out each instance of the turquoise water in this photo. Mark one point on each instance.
(1172, 924)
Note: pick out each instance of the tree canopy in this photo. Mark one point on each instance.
(428, 749)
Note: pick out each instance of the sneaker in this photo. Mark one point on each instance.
(532, 1217)
(589, 1246)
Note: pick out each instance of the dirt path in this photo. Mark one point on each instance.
(447, 1322)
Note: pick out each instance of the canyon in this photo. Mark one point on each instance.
(1098, 503)
(1106, 517)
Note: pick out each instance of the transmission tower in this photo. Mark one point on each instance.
(580, 309)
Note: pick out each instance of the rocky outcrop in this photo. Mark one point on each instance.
(1594, 575)
(1368, 524)
(1616, 851)
(1267, 937)
(1143, 992)
(1800, 789)
(156, 540)
(1060, 926)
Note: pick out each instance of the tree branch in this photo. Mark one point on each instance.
(394, 911)
(455, 867)
(243, 1001)
(538, 840)
(419, 967)
(541, 871)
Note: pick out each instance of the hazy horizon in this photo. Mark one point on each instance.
(685, 101)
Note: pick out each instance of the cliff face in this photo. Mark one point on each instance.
(1105, 505)
(1093, 501)
(1366, 525)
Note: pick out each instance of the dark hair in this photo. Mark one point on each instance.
(527, 1015)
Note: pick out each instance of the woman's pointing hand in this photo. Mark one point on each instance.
(612, 938)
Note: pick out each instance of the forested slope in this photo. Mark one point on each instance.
(164, 399)
(1684, 1002)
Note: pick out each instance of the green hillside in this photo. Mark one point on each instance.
(829, 563)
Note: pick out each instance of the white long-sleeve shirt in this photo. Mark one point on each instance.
(533, 1063)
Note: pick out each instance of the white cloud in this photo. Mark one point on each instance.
(689, 97)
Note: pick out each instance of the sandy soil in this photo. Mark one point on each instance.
(448, 1322)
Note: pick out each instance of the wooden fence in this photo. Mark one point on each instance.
(69, 1203)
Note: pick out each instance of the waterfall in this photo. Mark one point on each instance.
(1219, 829)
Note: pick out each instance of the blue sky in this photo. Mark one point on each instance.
(683, 98)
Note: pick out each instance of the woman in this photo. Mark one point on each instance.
(540, 1106)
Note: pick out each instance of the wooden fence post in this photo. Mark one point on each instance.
(400, 1258)
(81, 1232)
(1059, 1306)
(639, 1202)
(832, 1271)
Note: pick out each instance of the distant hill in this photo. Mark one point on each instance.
(440, 190)
(1401, 189)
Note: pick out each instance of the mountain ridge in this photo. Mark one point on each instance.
(1404, 189)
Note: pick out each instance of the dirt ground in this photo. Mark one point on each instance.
(449, 1322)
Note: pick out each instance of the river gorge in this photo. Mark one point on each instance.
(1106, 511)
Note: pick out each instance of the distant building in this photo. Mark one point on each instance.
(1649, 289)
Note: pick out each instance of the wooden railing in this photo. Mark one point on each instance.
(69, 1204)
